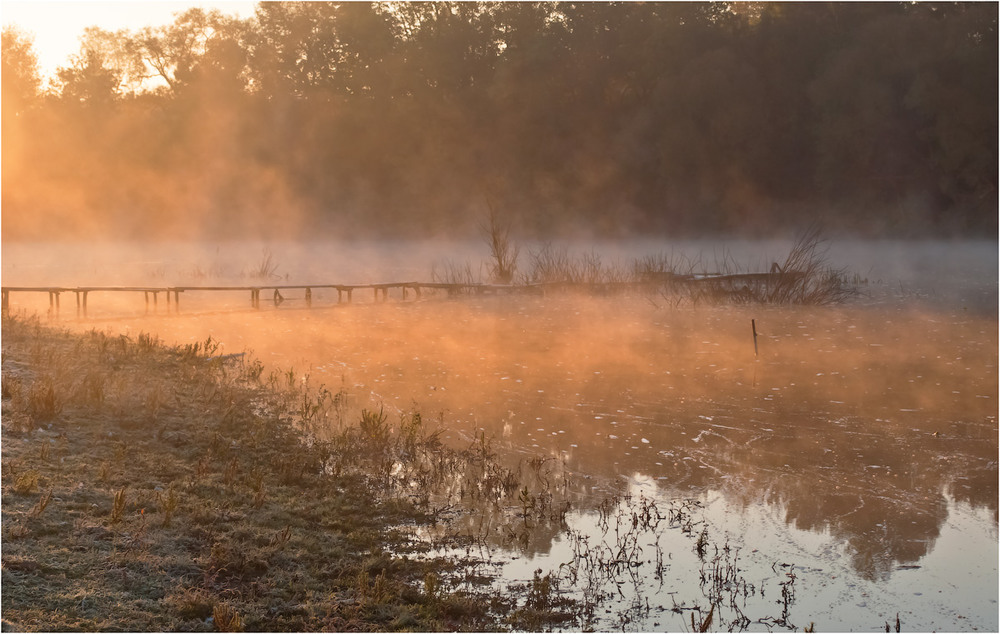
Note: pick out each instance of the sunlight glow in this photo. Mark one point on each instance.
(57, 26)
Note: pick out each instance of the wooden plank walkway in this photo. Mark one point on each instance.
(380, 291)
(173, 293)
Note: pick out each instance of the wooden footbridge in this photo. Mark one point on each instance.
(712, 283)
(151, 294)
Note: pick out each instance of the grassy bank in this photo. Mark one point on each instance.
(155, 488)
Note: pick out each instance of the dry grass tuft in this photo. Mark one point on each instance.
(226, 619)
(26, 482)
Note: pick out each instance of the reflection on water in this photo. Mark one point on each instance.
(952, 589)
(870, 427)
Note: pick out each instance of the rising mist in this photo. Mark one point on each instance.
(366, 143)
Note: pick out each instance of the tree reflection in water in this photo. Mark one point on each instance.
(857, 421)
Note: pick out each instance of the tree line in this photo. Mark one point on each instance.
(394, 118)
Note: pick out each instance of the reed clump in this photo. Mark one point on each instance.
(803, 277)
(265, 269)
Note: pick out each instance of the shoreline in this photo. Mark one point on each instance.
(146, 488)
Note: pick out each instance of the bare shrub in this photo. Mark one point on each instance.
(555, 265)
(656, 266)
(504, 253)
(453, 273)
(265, 269)
(551, 264)
(805, 277)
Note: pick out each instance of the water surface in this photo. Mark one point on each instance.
(856, 450)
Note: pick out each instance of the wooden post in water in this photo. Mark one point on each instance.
(309, 297)
(753, 324)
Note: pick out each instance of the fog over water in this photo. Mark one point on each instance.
(850, 449)
(860, 444)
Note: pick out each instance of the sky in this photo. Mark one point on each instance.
(58, 25)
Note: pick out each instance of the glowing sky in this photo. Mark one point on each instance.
(57, 25)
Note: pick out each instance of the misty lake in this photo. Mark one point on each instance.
(845, 474)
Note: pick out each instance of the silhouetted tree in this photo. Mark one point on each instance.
(20, 78)
(608, 117)
(88, 81)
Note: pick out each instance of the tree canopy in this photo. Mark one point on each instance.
(394, 118)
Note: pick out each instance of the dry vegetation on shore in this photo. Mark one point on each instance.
(148, 488)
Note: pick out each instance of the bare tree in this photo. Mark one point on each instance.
(496, 232)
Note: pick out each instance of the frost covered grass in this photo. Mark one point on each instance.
(153, 488)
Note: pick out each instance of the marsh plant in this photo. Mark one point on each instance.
(265, 269)
(803, 277)
(454, 273)
(552, 264)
